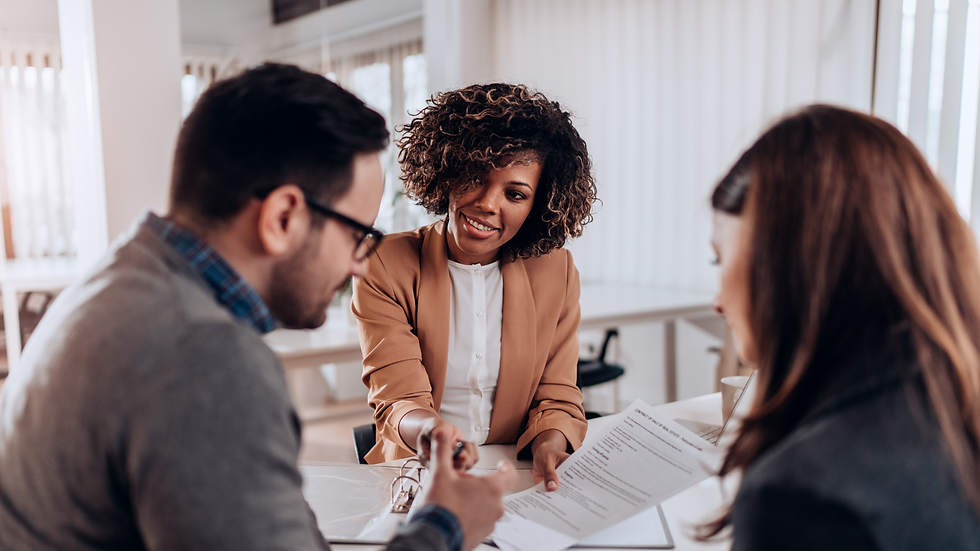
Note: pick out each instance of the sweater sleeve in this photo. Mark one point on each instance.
(212, 447)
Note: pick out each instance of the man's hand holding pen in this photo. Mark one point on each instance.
(465, 454)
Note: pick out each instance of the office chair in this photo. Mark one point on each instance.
(597, 371)
(365, 436)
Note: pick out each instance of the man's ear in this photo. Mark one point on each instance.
(283, 220)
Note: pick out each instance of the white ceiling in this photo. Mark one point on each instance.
(240, 27)
(29, 16)
(225, 23)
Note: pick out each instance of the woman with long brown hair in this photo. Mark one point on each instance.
(852, 284)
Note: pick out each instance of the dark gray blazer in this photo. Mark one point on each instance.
(866, 469)
(144, 416)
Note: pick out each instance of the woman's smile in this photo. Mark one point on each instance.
(483, 219)
(478, 228)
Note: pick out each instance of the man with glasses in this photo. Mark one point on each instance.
(147, 412)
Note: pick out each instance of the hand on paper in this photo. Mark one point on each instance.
(477, 501)
(548, 450)
(463, 461)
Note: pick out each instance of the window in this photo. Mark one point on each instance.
(393, 81)
(37, 207)
(934, 93)
(199, 73)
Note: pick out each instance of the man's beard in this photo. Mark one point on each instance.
(293, 294)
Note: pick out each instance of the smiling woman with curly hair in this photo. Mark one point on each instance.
(465, 134)
(469, 325)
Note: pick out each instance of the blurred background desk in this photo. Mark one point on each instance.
(603, 306)
(28, 275)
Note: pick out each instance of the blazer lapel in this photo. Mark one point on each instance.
(517, 351)
(433, 309)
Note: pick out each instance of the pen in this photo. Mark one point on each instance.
(459, 449)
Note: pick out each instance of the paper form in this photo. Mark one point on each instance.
(633, 464)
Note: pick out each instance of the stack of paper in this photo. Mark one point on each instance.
(631, 466)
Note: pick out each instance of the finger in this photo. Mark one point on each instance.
(424, 448)
(548, 472)
(506, 475)
(551, 481)
(441, 455)
(538, 465)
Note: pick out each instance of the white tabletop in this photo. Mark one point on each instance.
(39, 273)
(683, 511)
(331, 343)
(614, 304)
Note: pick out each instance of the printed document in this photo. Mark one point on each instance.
(633, 464)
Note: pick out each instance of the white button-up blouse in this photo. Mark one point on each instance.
(476, 306)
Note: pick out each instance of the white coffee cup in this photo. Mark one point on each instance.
(731, 389)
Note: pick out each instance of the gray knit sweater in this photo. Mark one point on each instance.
(144, 416)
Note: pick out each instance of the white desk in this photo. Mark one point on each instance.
(683, 511)
(30, 274)
(603, 306)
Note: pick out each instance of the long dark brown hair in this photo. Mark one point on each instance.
(852, 235)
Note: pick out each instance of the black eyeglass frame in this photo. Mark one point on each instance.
(366, 231)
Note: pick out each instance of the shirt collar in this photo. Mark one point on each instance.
(230, 289)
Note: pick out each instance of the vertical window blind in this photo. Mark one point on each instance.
(927, 82)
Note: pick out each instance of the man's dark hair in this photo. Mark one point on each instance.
(266, 127)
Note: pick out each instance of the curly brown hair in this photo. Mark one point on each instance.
(460, 136)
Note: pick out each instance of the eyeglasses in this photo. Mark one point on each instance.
(370, 237)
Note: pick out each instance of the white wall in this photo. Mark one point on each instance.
(459, 43)
(242, 26)
(137, 46)
(29, 16)
(122, 64)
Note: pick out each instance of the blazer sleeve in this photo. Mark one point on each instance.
(393, 372)
(557, 402)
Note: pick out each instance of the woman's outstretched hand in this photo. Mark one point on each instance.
(548, 450)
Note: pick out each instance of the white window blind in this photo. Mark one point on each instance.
(927, 82)
(37, 202)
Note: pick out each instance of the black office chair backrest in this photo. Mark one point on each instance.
(597, 371)
(365, 436)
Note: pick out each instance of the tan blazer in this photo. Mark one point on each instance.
(402, 310)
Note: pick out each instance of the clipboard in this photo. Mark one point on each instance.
(645, 530)
(353, 503)
(361, 504)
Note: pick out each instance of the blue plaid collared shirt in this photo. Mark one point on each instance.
(445, 522)
(230, 289)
